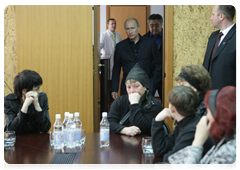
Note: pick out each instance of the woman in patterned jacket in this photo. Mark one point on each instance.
(220, 123)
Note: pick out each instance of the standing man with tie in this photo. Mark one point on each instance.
(135, 49)
(155, 22)
(220, 57)
(108, 41)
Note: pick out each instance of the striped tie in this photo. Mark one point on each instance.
(114, 40)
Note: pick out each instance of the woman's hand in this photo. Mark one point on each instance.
(131, 131)
(202, 131)
(163, 115)
(134, 98)
(27, 102)
(34, 95)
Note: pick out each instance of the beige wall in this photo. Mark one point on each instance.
(10, 47)
(191, 29)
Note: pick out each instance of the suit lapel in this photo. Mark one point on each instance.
(112, 42)
(225, 41)
(141, 47)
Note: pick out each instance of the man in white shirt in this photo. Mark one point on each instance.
(108, 41)
(220, 57)
(106, 49)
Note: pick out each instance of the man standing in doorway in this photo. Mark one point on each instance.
(155, 22)
(108, 41)
(135, 49)
(220, 57)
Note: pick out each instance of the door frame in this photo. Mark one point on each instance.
(168, 59)
(168, 53)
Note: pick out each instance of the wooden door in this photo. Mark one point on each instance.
(56, 42)
(121, 13)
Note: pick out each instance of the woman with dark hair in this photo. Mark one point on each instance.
(183, 102)
(132, 114)
(26, 110)
(220, 123)
(196, 77)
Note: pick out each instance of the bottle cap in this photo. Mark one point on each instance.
(104, 114)
(70, 115)
(76, 114)
(58, 116)
(66, 114)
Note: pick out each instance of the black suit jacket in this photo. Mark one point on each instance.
(223, 67)
(123, 57)
(159, 88)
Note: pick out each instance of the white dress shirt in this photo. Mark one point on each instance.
(106, 46)
(225, 32)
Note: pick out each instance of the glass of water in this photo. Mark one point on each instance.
(147, 145)
(83, 137)
(9, 138)
(51, 138)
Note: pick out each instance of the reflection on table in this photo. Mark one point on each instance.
(36, 149)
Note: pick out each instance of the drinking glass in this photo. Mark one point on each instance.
(147, 145)
(162, 165)
(51, 138)
(83, 137)
(9, 138)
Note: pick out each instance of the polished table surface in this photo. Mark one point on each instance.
(36, 149)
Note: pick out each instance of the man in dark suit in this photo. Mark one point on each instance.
(155, 26)
(135, 49)
(220, 59)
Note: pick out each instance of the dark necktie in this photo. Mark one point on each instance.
(215, 48)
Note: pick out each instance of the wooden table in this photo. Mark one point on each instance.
(36, 149)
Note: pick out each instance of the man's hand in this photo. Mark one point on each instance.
(114, 95)
(134, 98)
(131, 131)
(163, 115)
(202, 131)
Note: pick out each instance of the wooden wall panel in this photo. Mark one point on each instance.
(56, 41)
(168, 37)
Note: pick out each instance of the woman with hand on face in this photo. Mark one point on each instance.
(132, 114)
(183, 102)
(26, 110)
(220, 123)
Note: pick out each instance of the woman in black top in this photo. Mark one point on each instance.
(132, 114)
(196, 77)
(26, 110)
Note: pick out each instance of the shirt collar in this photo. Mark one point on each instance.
(185, 120)
(111, 32)
(158, 36)
(140, 39)
(227, 29)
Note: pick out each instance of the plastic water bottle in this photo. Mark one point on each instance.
(78, 128)
(71, 137)
(66, 114)
(58, 132)
(104, 131)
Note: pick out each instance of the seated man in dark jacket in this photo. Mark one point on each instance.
(183, 102)
(26, 110)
